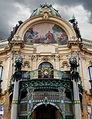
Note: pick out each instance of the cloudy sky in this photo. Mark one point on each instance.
(11, 11)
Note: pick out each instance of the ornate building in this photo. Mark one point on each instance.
(46, 69)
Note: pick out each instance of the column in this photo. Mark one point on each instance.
(57, 61)
(15, 100)
(77, 109)
(34, 62)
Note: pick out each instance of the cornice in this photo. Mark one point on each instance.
(5, 50)
(75, 43)
(80, 45)
(85, 50)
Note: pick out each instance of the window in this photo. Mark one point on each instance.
(45, 70)
(1, 73)
(1, 76)
(25, 75)
(90, 73)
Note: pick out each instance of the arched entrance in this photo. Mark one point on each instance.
(46, 112)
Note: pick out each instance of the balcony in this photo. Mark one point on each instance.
(45, 97)
(50, 95)
(55, 74)
(46, 84)
(55, 89)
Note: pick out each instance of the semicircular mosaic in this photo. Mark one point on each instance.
(45, 33)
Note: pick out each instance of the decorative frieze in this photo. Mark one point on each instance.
(64, 64)
(26, 64)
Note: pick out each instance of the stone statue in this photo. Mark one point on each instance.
(75, 26)
(14, 30)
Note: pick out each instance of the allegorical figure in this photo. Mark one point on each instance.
(63, 38)
(50, 38)
(31, 34)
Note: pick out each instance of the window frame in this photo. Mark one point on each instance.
(1, 72)
(89, 73)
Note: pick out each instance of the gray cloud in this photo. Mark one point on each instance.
(9, 11)
(34, 3)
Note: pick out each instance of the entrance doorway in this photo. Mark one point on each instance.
(46, 112)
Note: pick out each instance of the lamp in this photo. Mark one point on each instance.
(18, 66)
(16, 76)
(18, 62)
(73, 63)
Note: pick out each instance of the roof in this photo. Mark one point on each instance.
(45, 8)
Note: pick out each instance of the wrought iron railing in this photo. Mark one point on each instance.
(45, 91)
(46, 97)
(22, 108)
(42, 95)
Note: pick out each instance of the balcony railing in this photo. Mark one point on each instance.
(42, 95)
(57, 74)
(45, 97)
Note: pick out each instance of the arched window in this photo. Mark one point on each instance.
(1, 77)
(1, 73)
(90, 72)
(45, 70)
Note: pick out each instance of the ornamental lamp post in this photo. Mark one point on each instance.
(18, 62)
(74, 65)
(75, 77)
(17, 76)
(73, 62)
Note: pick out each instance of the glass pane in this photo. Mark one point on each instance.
(90, 73)
(24, 117)
(1, 73)
(22, 108)
(69, 108)
(69, 117)
(45, 70)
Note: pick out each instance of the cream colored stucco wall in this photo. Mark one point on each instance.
(38, 53)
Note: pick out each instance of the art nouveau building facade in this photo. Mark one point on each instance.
(44, 87)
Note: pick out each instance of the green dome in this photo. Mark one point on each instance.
(45, 8)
